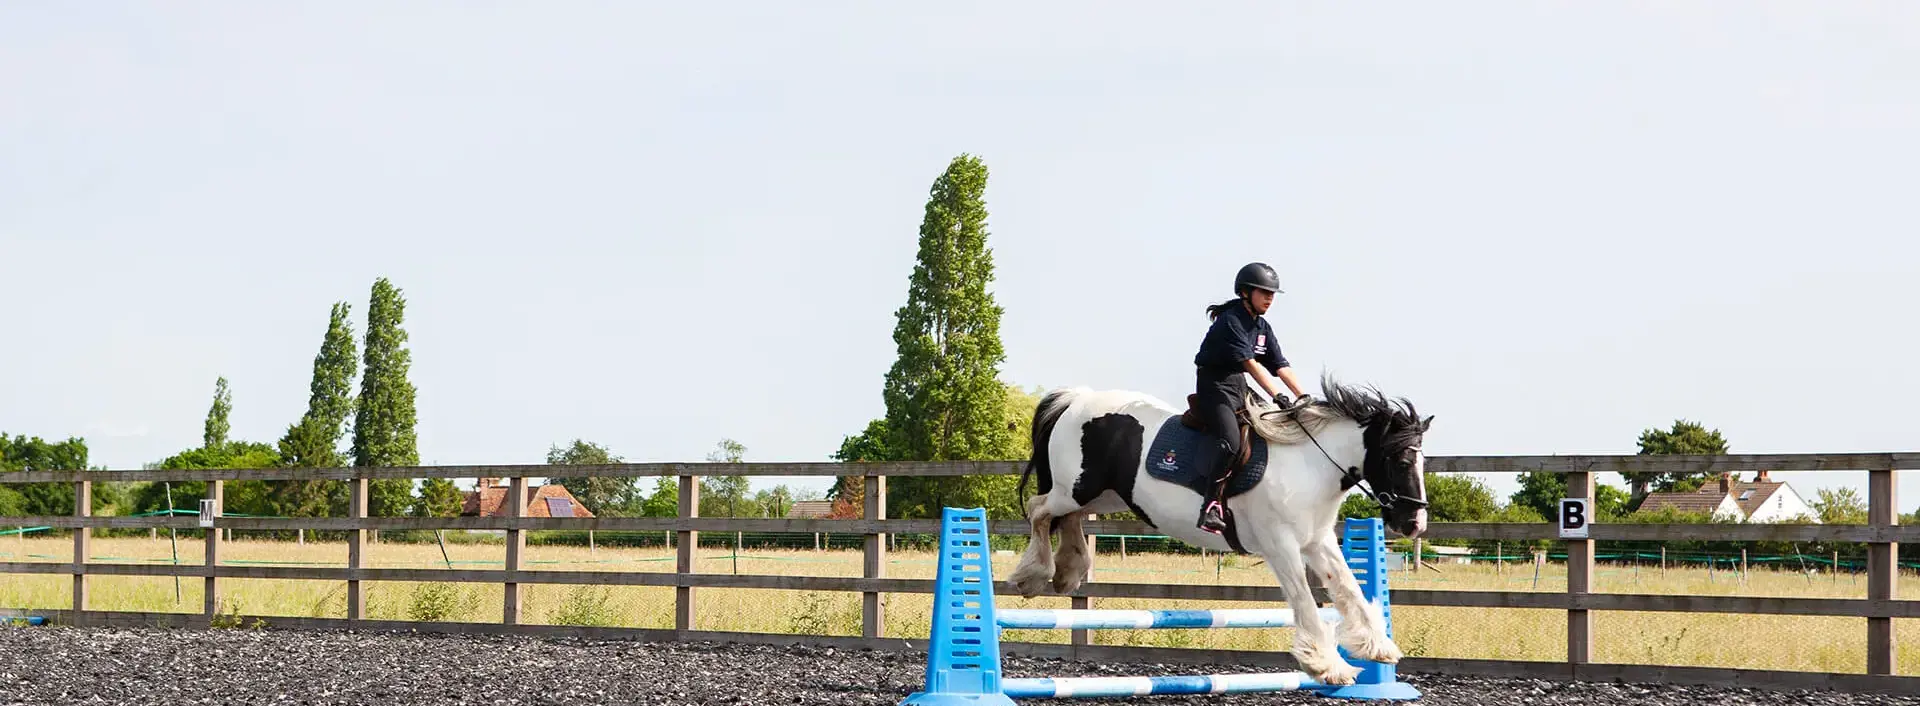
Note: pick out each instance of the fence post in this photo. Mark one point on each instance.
(82, 507)
(873, 606)
(217, 492)
(1579, 581)
(1883, 574)
(516, 503)
(357, 549)
(683, 595)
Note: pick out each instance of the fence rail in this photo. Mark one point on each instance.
(1882, 534)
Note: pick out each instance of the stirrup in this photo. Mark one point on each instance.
(1202, 524)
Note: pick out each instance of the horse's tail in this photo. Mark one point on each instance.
(1044, 416)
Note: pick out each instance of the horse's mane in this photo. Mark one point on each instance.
(1362, 406)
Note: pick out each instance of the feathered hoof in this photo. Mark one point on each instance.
(1030, 581)
(1325, 666)
(1382, 650)
(1341, 674)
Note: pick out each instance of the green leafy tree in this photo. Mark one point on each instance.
(1358, 506)
(383, 433)
(249, 497)
(727, 496)
(774, 501)
(23, 453)
(438, 498)
(217, 424)
(1541, 492)
(1840, 506)
(606, 496)
(664, 501)
(1685, 437)
(313, 442)
(1459, 498)
(943, 397)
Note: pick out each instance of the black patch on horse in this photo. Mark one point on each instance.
(1109, 456)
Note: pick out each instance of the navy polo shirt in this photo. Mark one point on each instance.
(1237, 335)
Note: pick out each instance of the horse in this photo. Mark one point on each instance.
(1106, 451)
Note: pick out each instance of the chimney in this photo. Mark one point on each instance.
(1726, 483)
(1761, 477)
(484, 483)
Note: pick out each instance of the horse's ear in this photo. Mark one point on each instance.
(1424, 423)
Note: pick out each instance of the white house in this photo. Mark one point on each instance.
(1759, 500)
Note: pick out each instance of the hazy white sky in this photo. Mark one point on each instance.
(1550, 224)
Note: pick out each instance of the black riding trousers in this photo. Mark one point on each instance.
(1219, 396)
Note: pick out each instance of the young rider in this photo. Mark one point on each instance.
(1240, 342)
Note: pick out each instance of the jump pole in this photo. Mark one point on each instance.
(963, 658)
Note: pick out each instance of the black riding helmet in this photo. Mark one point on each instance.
(1256, 274)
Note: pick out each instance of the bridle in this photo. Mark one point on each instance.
(1352, 476)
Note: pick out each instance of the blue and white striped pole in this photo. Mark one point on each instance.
(1067, 618)
(1096, 687)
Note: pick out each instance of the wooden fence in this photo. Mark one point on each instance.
(1882, 534)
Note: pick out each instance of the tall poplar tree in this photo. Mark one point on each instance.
(313, 442)
(383, 432)
(944, 398)
(217, 425)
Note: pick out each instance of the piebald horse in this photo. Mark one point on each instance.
(1105, 451)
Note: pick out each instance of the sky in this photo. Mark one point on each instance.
(1551, 225)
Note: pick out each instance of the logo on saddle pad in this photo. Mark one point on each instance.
(1167, 462)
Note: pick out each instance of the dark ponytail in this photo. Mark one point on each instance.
(1213, 310)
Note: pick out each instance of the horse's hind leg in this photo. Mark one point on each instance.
(1031, 577)
(1075, 561)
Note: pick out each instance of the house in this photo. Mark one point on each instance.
(1760, 500)
(490, 495)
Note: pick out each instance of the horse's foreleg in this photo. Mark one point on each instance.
(1031, 577)
(1362, 627)
(1075, 561)
(1313, 648)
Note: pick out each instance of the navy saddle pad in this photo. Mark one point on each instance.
(1177, 452)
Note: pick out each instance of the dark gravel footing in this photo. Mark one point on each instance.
(59, 665)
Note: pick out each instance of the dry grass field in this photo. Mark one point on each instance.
(1758, 641)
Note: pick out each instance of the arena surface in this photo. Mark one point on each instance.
(60, 665)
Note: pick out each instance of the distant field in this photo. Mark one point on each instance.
(1759, 642)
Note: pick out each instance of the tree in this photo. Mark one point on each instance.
(23, 453)
(726, 496)
(1840, 506)
(438, 498)
(774, 501)
(249, 497)
(313, 442)
(606, 496)
(944, 400)
(664, 501)
(217, 425)
(383, 434)
(1541, 492)
(1458, 498)
(1685, 437)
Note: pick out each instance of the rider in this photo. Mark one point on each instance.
(1239, 342)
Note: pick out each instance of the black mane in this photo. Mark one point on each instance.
(1367, 405)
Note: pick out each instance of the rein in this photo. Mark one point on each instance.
(1353, 476)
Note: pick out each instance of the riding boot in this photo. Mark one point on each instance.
(1213, 515)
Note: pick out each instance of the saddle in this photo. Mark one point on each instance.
(1191, 420)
